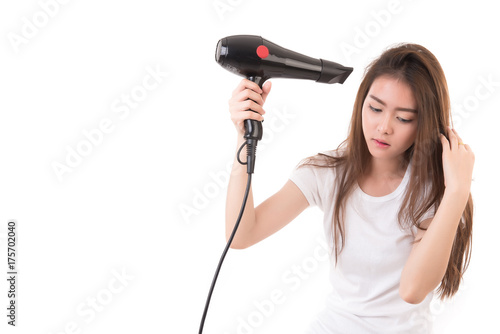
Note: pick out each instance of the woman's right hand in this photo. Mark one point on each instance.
(247, 98)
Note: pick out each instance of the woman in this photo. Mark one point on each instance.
(395, 196)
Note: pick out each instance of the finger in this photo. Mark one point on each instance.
(444, 142)
(241, 102)
(249, 94)
(458, 138)
(247, 84)
(240, 117)
(250, 105)
(453, 139)
(266, 90)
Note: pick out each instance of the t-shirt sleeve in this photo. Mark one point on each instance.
(306, 179)
(429, 214)
(431, 211)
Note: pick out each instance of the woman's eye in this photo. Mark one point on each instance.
(404, 120)
(400, 119)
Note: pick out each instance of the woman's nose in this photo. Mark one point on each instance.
(385, 125)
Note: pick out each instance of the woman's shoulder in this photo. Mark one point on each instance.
(330, 158)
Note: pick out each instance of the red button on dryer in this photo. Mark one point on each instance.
(262, 51)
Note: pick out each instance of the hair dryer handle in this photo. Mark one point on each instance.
(253, 131)
(253, 128)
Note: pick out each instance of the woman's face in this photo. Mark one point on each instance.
(390, 116)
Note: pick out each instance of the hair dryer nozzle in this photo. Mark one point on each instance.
(332, 72)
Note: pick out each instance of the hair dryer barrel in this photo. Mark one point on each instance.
(259, 59)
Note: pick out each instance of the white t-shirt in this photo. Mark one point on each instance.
(365, 282)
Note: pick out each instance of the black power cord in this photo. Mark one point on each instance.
(251, 146)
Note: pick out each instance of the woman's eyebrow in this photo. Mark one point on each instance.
(398, 108)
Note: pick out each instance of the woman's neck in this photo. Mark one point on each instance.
(388, 169)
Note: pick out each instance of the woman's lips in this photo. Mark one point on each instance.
(380, 143)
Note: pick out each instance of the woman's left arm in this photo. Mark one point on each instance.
(429, 257)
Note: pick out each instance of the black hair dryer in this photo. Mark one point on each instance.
(258, 59)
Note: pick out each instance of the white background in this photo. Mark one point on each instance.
(147, 201)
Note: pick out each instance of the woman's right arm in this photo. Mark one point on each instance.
(278, 210)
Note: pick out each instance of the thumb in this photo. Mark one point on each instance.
(266, 88)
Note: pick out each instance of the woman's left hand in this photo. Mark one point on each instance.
(458, 163)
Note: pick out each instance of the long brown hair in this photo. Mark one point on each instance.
(419, 68)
